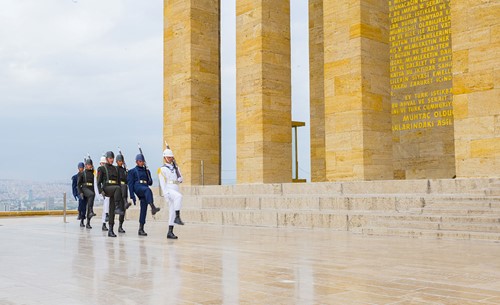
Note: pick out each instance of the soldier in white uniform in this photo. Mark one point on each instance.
(170, 177)
(105, 205)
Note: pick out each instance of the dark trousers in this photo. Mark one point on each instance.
(124, 189)
(114, 192)
(89, 197)
(82, 207)
(146, 197)
(144, 193)
(144, 209)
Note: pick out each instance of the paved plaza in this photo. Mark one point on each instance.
(44, 261)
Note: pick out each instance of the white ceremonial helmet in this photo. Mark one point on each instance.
(103, 160)
(168, 153)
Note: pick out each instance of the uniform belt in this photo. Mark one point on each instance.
(123, 182)
(172, 182)
(88, 183)
(143, 181)
(112, 182)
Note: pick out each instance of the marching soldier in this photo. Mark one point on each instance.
(108, 184)
(105, 204)
(122, 173)
(170, 177)
(85, 185)
(139, 180)
(81, 202)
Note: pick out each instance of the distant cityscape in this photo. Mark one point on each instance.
(18, 195)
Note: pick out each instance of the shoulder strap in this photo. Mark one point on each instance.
(160, 172)
(107, 173)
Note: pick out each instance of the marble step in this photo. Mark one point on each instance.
(456, 211)
(339, 219)
(453, 226)
(461, 198)
(481, 204)
(493, 191)
(478, 186)
(373, 217)
(311, 202)
(314, 202)
(462, 202)
(421, 233)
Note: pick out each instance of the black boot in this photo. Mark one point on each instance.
(127, 205)
(104, 228)
(170, 234)
(178, 219)
(154, 209)
(88, 224)
(82, 224)
(120, 228)
(107, 217)
(110, 231)
(92, 214)
(141, 230)
(79, 217)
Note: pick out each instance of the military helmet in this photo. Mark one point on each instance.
(119, 157)
(140, 157)
(81, 165)
(168, 153)
(109, 154)
(88, 161)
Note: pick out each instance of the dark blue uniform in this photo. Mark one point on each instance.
(139, 179)
(82, 204)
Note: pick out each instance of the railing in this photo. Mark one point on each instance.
(64, 212)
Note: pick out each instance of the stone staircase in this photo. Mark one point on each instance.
(445, 208)
(457, 217)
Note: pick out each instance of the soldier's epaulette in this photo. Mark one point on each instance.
(93, 172)
(159, 170)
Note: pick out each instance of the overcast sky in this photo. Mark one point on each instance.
(80, 76)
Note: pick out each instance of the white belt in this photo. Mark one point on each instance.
(172, 182)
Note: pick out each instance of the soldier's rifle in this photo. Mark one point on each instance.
(145, 164)
(124, 163)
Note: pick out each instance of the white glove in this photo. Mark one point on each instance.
(179, 179)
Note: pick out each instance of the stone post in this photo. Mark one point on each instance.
(264, 150)
(317, 93)
(356, 90)
(192, 87)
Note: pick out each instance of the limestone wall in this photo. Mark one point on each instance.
(421, 95)
(475, 27)
(400, 89)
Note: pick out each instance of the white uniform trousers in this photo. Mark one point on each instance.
(174, 198)
(105, 209)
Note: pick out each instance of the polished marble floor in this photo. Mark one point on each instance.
(45, 261)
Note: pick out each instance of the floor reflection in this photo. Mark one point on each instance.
(43, 261)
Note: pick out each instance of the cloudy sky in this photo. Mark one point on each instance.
(80, 76)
